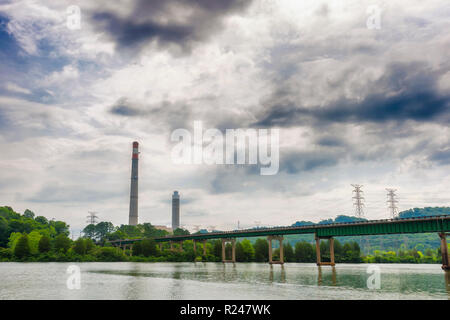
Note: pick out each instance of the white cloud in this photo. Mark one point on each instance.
(66, 154)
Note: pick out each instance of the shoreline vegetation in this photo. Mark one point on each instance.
(29, 238)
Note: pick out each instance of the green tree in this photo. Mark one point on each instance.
(62, 243)
(13, 238)
(116, 235)
(110, 254)
(137, 248)
(261, 250)
(239, 252)
(60, 227)
(148, 247)
(102, 229)
(180, 232)
(41, 220)
(28, 214)
(338, 250)
(89, 245)
(131, 232)
(22, 248)
(217, 249)
(289, 255)
(304, 252)
(44, 244)
(247, 250)
(4, 234)
(33, 239)
(89, 231)
(79, 246)
(356, 252)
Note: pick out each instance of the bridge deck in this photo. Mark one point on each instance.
(372, 227)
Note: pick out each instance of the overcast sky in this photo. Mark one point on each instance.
(353, 105)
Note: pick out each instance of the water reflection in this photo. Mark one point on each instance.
(176, 286)
(221, 281)
(282, 278)
(320, 280)
(133, 287)
(447, 283)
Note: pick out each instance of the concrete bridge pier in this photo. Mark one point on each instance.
(126, 247)
(204, 247)
(319, 262)
(444, 252)
(280, 239)
(233, 251)
(180, 244)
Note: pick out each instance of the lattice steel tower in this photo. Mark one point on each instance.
(393, 209)
(359, 199)
(91, 218)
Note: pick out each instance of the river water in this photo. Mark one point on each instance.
(123, 280)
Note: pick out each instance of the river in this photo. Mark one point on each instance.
(123, 280)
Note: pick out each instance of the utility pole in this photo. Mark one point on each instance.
(92, 217)
(393, 210)
(358, 200)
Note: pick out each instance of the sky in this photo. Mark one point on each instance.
(354, 104)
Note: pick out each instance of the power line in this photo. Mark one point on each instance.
(358, 200)
(92, 217)
(393, 209)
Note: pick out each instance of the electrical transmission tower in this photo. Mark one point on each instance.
(92, 217)
(358, 198)
(393, 210)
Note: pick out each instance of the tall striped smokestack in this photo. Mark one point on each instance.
(133, 217)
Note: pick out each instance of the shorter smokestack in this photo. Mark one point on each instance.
(175, 210)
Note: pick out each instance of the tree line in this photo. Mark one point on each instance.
(26, 237)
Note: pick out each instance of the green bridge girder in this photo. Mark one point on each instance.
(374, 227)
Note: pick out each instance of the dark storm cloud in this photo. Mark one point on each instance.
(179, 22)
(173, 114)
(330, 141)
(405, 92)
(441, 157)
(295, 162)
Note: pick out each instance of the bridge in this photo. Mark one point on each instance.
(438, 224)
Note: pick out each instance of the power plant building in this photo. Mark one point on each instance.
(133, 215)
(175, 210)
